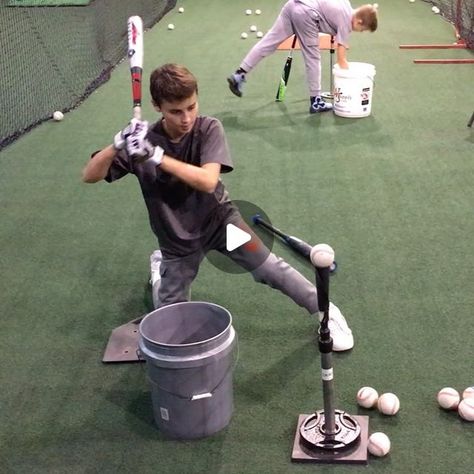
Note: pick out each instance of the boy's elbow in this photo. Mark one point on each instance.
(210, 189)
(88, 178)
(211, 186)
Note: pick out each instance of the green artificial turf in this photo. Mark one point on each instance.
(392, 193)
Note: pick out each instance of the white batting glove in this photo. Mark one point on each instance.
(140, 148)
(121, 137)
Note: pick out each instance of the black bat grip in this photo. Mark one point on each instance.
(257, 219)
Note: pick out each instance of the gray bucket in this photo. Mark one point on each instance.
(188, 348)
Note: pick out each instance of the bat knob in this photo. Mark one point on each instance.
(256, 218)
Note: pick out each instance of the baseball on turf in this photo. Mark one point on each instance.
(379, 444)
(367, 397)
(388, 404)
(58, 116)
(181, 10)
(253, 28)
(258, 12)
(466, 409)
(448, 398)
(171, 26)
(244, 35)
(468, 392)
(259, 34)
(248, 12)
(322, 255)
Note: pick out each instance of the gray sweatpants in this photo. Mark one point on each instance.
(294, 18)
(178, 273)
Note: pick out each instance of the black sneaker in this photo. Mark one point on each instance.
(236, 83)
(319, 105)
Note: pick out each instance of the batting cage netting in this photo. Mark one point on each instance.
(461, 14)
(54, 53)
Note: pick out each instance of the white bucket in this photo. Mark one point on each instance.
(353, 89)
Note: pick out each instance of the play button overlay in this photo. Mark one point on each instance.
(235, 237)
(245, 245)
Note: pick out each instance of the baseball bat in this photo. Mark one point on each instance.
(300, 246)
(280, 97)
(135, 57)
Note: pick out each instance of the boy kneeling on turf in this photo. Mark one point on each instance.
(177, 162)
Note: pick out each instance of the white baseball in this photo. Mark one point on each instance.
(259, 34)
(379, 444)
(388, 404)
(448, 398)
(253, 28)
(258, 12)
(435, 9)
(248, 12)
(58, 116)
(367, 397)
(468, 392)
(244, 35)
(322, 255)
(181, 10)
(171, 26)
(466, 409)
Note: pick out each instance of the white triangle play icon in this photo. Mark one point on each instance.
(235, 237)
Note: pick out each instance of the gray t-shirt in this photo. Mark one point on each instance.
(180, 215)
(335, 18)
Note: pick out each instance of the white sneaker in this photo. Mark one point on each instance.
(341, 335)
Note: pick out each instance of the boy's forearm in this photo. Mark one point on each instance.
(97, 167)
(341, 57)
(203, 178)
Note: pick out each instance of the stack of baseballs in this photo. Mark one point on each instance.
(387, 404)
(450, 399)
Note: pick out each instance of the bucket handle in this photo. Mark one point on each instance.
(208, 394)
(139, 355)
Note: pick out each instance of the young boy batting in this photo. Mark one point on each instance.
(306, 19)
(177, 162)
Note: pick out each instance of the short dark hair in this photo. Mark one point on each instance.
(171, 83)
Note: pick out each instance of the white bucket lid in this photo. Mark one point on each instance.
(355, 70)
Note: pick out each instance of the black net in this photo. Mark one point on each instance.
(52, 57)
(461, 14)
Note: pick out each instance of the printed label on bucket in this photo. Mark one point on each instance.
(339, 96)
(164, 414)
(365, 96)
